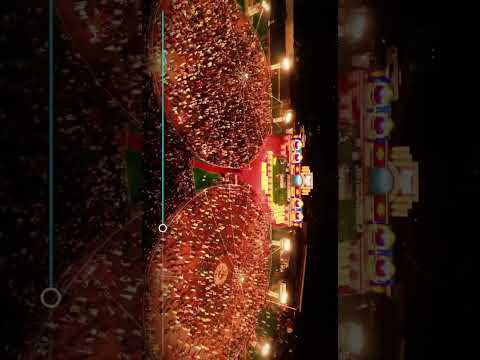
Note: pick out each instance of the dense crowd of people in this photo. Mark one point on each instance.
(217, 80)
(101, 311)
(179, 185)
(90, 193)
(218, 110)
(109, 35)
(91, 190)
(207, 277)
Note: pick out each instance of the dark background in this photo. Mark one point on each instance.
(315, 98)
(421, 124)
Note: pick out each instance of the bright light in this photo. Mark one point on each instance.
(286, 244)
(284, 297)
(246, 76)
(242, 278)
(286, 64)
(358, 27)
(265, 5)
(288, 116)
(266, 349)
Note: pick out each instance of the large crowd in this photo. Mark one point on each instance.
(217, 80)
(218, 110)
(90, 191)
(109, 35)
(179, 185)
(101, 310)
(207, 277)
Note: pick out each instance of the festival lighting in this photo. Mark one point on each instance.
(266, 348)
(286, 64)
(288, 116)
(286, 244)
(265, 5)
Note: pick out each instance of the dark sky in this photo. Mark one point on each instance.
(415, 29)
(315, 102)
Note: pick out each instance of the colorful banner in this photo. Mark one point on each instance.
(381, 238)
(380, 154)
(351, 97)
(381, 270)
(380, 208)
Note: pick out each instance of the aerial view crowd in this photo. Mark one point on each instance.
(208, 274)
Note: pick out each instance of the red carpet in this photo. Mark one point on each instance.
(252, 174)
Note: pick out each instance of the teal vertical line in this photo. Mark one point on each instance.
(50, 147)
(163, 123)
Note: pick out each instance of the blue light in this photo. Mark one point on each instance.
(297, 180)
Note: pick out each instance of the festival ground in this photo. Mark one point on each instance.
(252, 174)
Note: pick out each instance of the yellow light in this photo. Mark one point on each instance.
(284, 297)
(286, 64)
(265, 5)
(246, 76)
(288, 116)
(242, 278)
(266, 349)
(287, 245)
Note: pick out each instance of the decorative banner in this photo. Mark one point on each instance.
(384, 283)
(380, 109)
(380, 209)
(296, 158)
(382, 238)
(351, 90)
(381, 270)
(297, 203)
(388, 253)
(379, 80)
(380, 94)
(381, 125)
(380, 154)
(297, 145)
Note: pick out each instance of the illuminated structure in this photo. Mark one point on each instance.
(391, 187)
(392, 179)
(365, 264)
(384, 183)
(285, 180)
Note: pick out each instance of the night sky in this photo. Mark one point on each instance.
(316, 106)
(416, 32)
